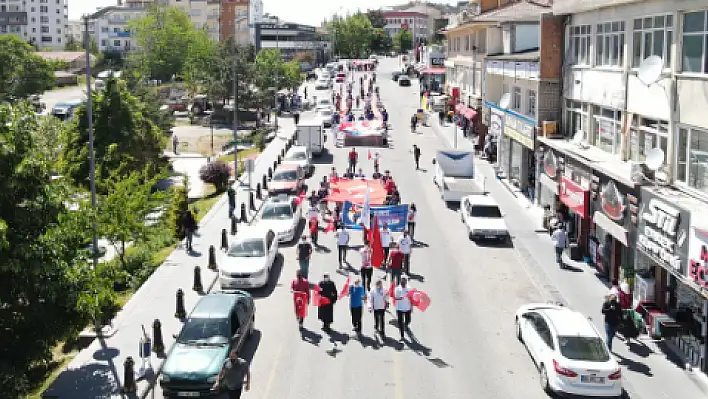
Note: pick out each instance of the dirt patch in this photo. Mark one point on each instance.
(202, 144)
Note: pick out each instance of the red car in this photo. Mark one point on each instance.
(287, 179)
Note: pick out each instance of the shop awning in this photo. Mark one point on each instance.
(612, 228)
(549, 183)
(434, 71)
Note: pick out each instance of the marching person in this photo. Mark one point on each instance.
(378, 302)
(395, 264)
(403, 306)
(367, 269)
(236, 375)
(353, 157)
(314, 231)
(416, 156)
(357, 297)
(342, 244)
(326, 312)
(300, 284)
(405, 244)
(412, 211)
(304, 253)
(385, 239)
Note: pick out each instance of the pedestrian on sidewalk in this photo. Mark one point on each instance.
(235, 373)
(405, 243)
(231, 193)
(353, 157)
(175, 143)
(189, 226)
(367, 269)
(416, 156)
(385, 239)
(414, 122)
(378, 302)
(560, 242)
(441, 117)
(403, 306)
(325, 312)
(357, 297)
(296, 117)
(613, 318)
(395, 264)
(342, 244)
(300, 286)
(412, 211)
(304, 253)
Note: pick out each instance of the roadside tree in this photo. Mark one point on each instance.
(22, 72)
(352, 35)
(403, 40)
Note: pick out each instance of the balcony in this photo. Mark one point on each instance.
(13, 18)
(117, 21)
(118, 34)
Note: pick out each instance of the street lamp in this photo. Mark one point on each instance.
(92, 156)
(277, 67)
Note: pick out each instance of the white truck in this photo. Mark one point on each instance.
(311, 134)
(455, 175)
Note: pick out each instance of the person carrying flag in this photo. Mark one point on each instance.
(378, 302)
(403, 306)
(325, 312)
(300, 288)
(357, 297)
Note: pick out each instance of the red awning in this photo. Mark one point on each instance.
(433, 71)
(469, 113)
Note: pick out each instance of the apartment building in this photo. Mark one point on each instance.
(11, 21)
(111, 26)
(432, 12)
(415, 22)
(45, 24)
(289, 38)
(635, 150)
(75, 30)
(204, 14)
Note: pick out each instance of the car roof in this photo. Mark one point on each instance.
(251, 232)
(567, 322)
(482, 200)
(215, 305)
(280, 199)
(296, 148)
(286, 167)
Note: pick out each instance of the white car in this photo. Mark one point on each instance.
(570, 354)
(482, 218)
(281, 214)
(322, 84)
(324, 102)
(249, 259)
(325, 114)
(300, 155)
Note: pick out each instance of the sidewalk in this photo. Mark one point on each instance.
(651, 368)
(97, 371)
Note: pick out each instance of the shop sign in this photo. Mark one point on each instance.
(496, 122)
(575, 197)
(662, 234)
(519, 130)
(612, 201)
(550, 164)
(698, 258)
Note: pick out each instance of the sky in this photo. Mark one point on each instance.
(308, 12)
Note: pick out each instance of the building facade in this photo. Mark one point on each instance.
(415, 22)
(204, 14)
(290, 39)
(112, 31)
(12, 21)
(232, 20)
(42, 23)
(432, 11)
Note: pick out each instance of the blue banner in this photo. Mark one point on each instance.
(395, 215)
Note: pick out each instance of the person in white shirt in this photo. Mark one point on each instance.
(405, 244)
(560, 242)
(312, 213)
(366, 269)
(412, 211)
(403, 306)
(385, 240)
(342, 244)
(378, 302)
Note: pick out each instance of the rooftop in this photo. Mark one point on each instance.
(568, 322)
(521, 11)
(66, 56)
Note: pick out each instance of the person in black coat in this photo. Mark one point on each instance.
(326, 312)
(189, 226)
(613, 318)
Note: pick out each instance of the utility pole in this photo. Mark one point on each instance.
(92, 156)
(235, 93)
(277, 67)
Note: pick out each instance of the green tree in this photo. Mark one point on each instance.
(22, 72)
(48, 133)
(403, 40)
(380, 41)
(123, 210)
(125, 140)
(41, 281)
(73, 45)
(376, 18)
(352, 35)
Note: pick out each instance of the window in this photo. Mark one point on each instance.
(653, 36)
(104, 29)
(43, 9)
(116, 43)
(467, 43)
(579, 45)
(585, 349)
(692, 158)
(576, 117)
(609, 44)
(695, 42)
(607, 129)
(45, 29)
(44, 19)
(646, 134)
(103, 43)
(516, 99)
(531, 102)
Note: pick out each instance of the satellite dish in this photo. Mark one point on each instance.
(650, 70)
(579, 137)
(505, 101)
(655, 158)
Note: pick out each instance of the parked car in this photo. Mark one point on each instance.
(65, 110)
(300, 156)
(219, 322)
(249, 259)
(482, 218)
(404, 80)
(569, 352)
(288, 178)
(324, 102)
(281, 214)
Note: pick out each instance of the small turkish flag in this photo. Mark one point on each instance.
(317, 299)
(392, 292)
(345, 289)
(330, 226)
(300, 198)
(369, 155)
(419, 299)
(300, 300)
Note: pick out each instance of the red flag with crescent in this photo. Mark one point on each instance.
(419, 299)
(300, 300)
(300, 198)
(345, 289)
(392, 292)
(317, 298)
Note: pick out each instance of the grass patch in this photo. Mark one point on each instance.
(203, 205)
(203, 143)
(242, 155)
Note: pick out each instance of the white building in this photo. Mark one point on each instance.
(75, 30)
(112, 30)
(415, 22)
(46, 21)
(204, 14)
(255, 16)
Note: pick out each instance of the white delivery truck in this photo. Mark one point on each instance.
(311, 134)
(455, 175)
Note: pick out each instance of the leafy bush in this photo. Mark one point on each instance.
(179, 204)
(216, 173)
(259, 138)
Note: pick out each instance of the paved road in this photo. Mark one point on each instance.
(53, 97)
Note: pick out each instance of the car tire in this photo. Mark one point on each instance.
(543, 378)
(470, 236)
(517, 326)
(253, 326)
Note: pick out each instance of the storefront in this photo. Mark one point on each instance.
(520, 138)
(433, 79)
(468, 119)
(550, 167)
(613, 230)
(576, 211)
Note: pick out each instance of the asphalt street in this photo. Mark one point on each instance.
(53, 97)
(463, 346)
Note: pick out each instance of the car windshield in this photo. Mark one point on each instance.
(587, 349)
(297, 156)
(277, 212)
(205, 332)
(325, 112)
(485, 211)
(324, 102)
(288, 175)
(252, 248)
